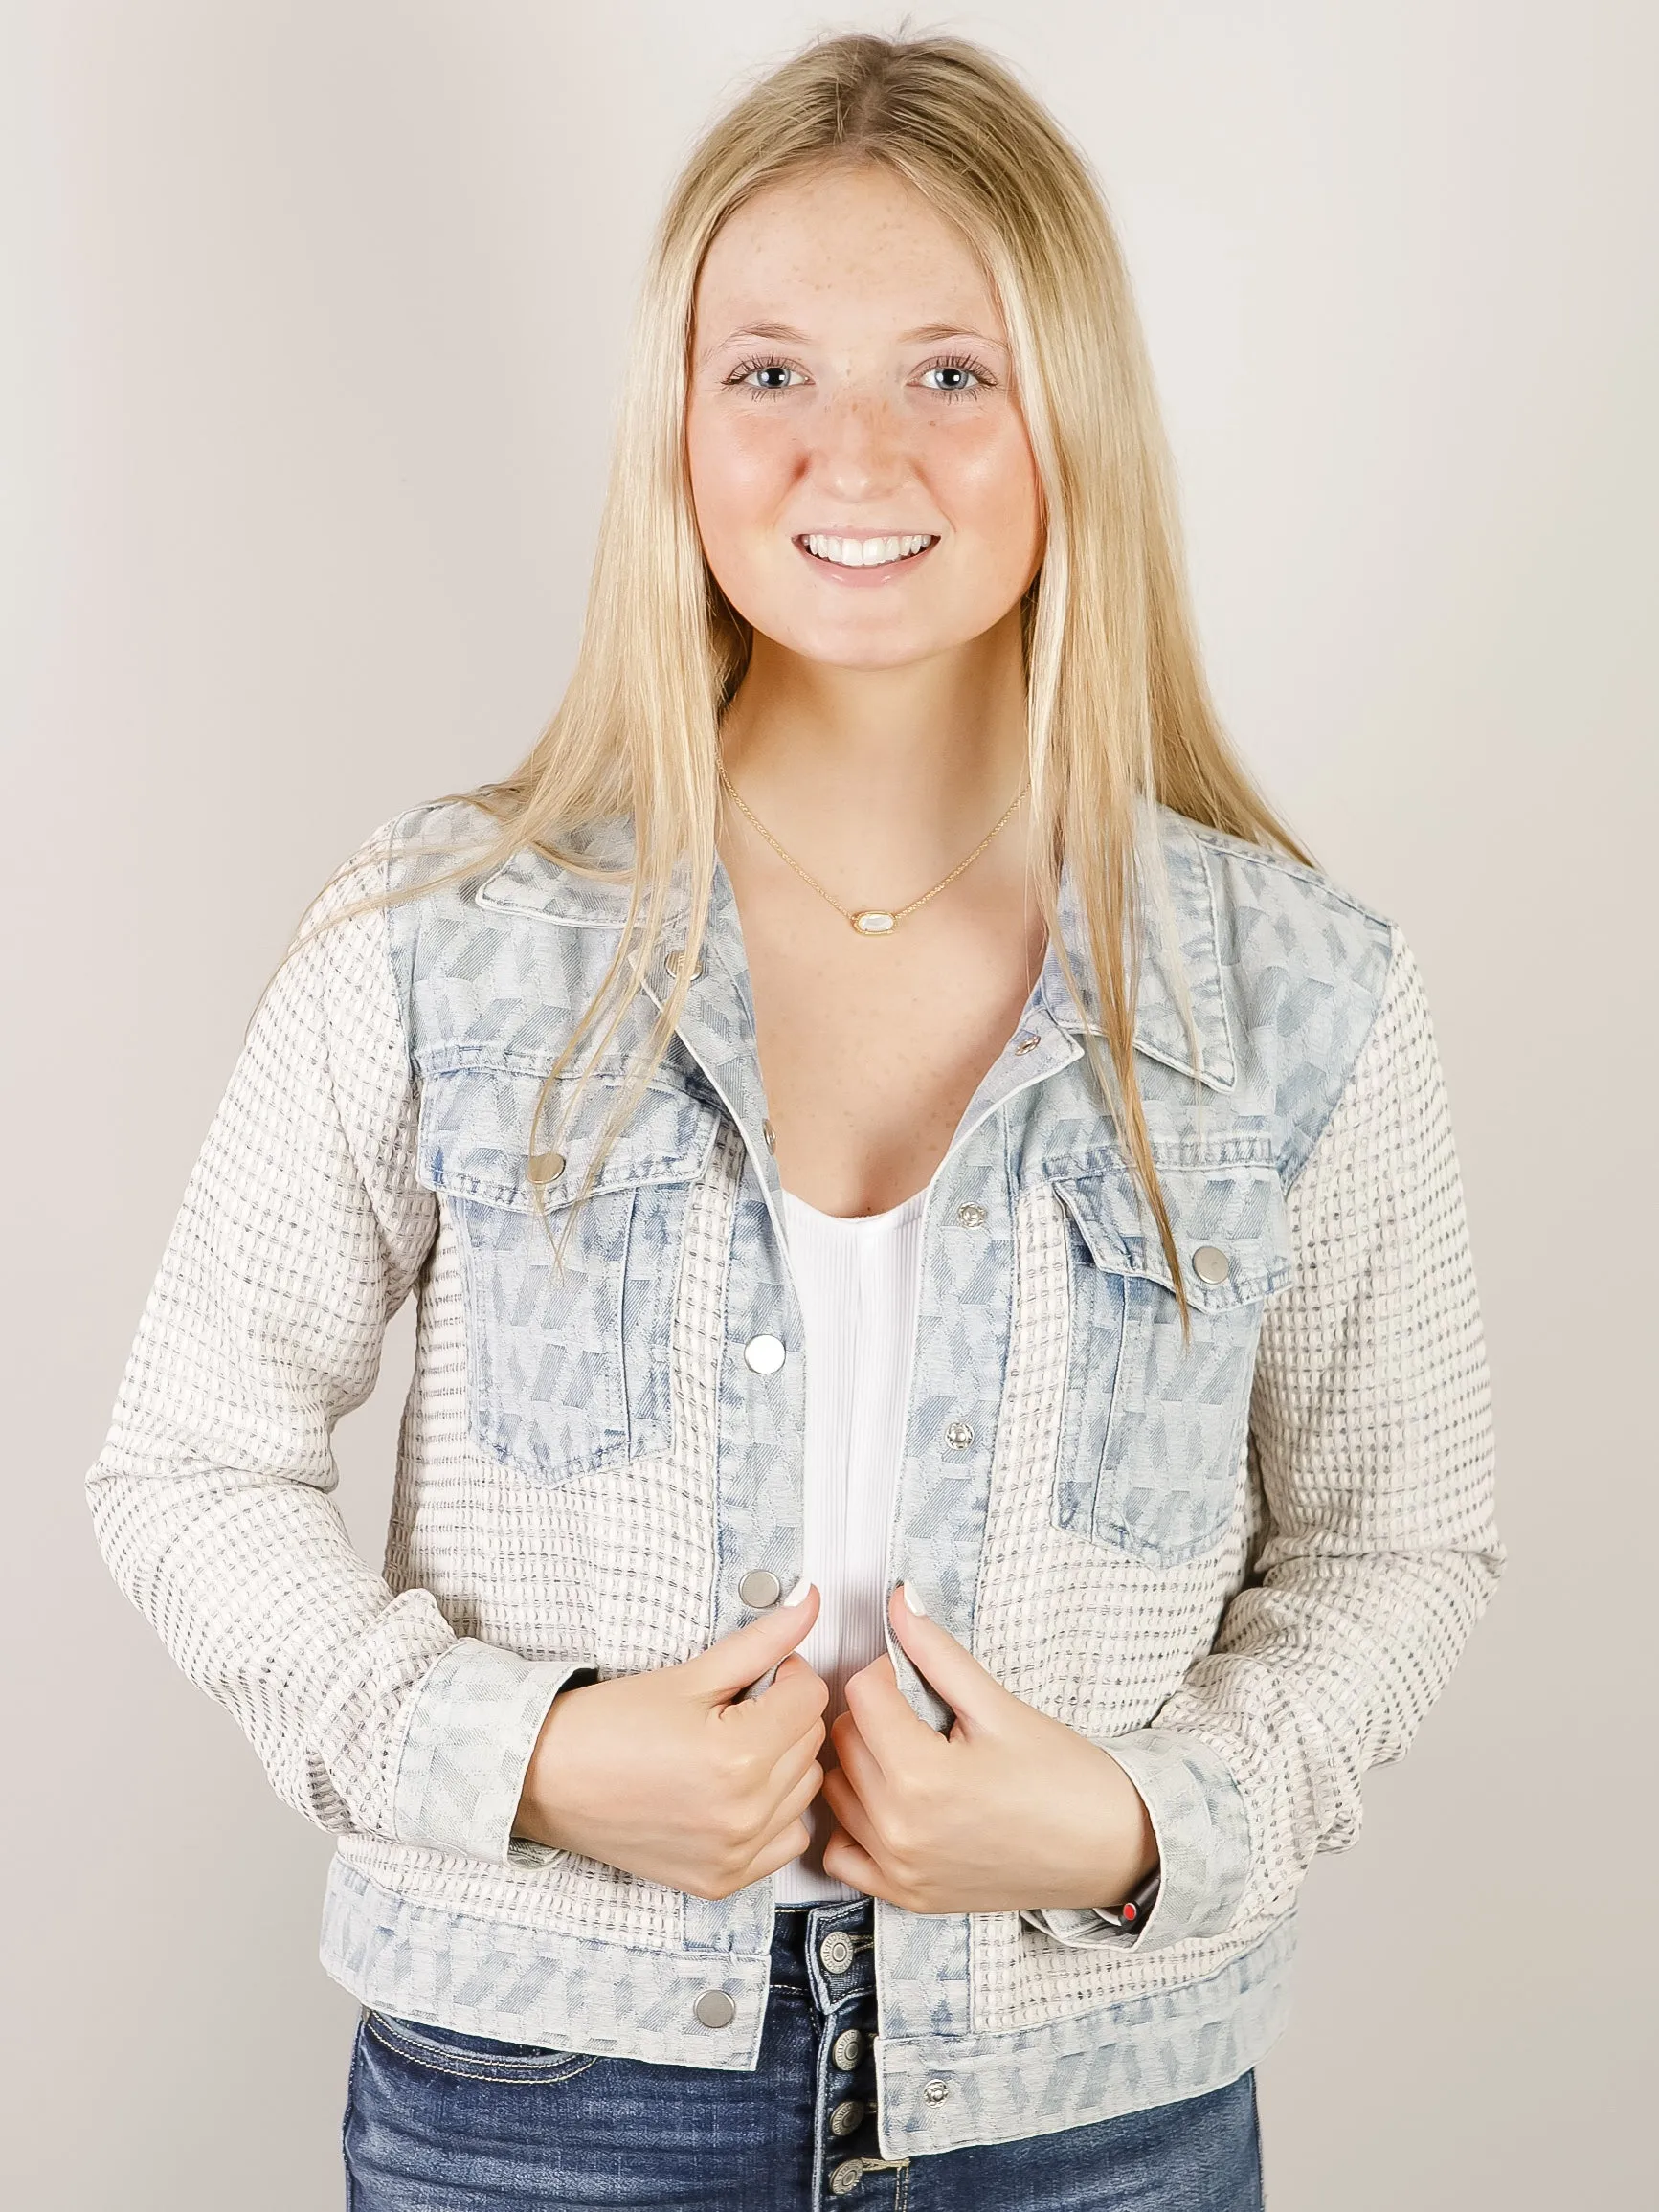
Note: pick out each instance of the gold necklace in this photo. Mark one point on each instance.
(872, 920)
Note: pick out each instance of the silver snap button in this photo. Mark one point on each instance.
(715, 2009)
(935, 2093)
(771, 1135)
(959, 1435)
(1027, 1041)
(847, 2049)
(760, 1587)
(546, 1166)
(971, 1217)
(846, 2176)
(836, 1952)
(1211, 1264)
(847, 2116)
(764, 1353)
(671, 961)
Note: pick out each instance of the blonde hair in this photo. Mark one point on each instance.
(1118, 710)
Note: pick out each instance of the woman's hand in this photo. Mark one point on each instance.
(674, 1775)
(1010, 1809)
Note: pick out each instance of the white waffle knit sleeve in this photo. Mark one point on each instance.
(1372, 1432)
(301, 1230)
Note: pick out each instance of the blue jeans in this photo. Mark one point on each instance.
(441, 2122)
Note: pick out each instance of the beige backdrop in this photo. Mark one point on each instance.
(311, 322)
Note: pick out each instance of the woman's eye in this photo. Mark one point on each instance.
(958, 379)
(763, 377)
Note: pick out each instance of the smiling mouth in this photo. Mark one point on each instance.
(864, 552)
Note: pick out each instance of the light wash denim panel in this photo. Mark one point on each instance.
(1244, 1563)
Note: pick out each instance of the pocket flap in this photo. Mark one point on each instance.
(1231, 1229)
(474, 1137)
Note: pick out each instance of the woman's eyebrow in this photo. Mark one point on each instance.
(931, 332)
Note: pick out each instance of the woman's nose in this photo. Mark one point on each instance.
(861, 445)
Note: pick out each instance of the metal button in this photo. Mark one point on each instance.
(546, 1166)
(971, 1217)
(847, 2049)
(771, 1135)
(715, 2009)
(1211, 1264)
(836, 1952)
(959, 1435)
(764, 1353)
(760, 1587)
(846, 2176)
(935, 2093)
(1027, 1041)
(847, 2116)
(671, 961)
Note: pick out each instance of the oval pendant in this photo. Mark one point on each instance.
(872, 923)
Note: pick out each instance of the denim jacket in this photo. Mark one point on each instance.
(1244, 1564)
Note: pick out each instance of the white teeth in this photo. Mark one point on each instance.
(864, 552)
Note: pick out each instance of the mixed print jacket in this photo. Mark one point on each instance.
(1243, 1561)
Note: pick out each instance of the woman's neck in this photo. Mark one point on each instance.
(906, 767)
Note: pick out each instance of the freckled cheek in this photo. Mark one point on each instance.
(740, 478)
(988, 486)
(994, 485)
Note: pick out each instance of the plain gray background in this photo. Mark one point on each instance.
(312, 317)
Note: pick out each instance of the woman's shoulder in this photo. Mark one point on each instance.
(1246, 871)
(1271, 912)
(1304, 966)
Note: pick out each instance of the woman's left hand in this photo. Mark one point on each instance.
(1011, 1809)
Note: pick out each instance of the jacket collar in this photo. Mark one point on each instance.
(530, 882)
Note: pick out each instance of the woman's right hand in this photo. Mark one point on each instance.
(675, 1776)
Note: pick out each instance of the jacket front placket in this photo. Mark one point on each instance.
(959, 1361)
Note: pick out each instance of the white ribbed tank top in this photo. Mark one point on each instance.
(857, 1277)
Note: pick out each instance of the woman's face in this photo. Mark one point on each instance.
(864, 484)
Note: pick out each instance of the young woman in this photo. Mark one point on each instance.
(950, 1424)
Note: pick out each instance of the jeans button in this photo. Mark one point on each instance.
(1211, 1264)
(846, 2176)
(847, 2116)
(847, 2049)
(714, 2008)
(971, 1217)
(765, 1354)
(935, 2093)
(836, 1952)
(760, 1587)
(959, 1435)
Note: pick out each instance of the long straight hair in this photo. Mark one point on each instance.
(1118, 709)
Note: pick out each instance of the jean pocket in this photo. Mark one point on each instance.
(568, 1306)
(1154, 1420)
(473, 2058)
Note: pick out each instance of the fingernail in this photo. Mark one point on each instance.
(912, 1601)
(800, 1590)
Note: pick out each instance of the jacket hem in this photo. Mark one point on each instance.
(613, 2000)
(945, 2092)
(564, 1991)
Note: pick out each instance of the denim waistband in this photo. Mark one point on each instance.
(801, 1960)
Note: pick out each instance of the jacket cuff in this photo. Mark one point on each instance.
(1204, 1843)
(471, 1727)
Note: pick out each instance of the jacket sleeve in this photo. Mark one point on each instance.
(1371, 1430)
(302, 1231)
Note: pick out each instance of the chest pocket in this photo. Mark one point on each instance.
(1152, 1432)
(568, 1364)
